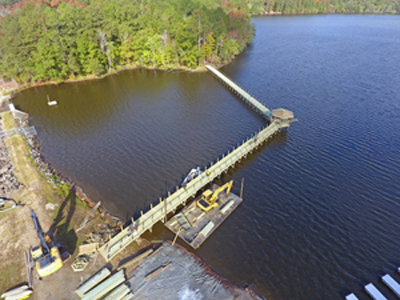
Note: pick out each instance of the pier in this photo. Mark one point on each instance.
(213, 170)
(257, 105)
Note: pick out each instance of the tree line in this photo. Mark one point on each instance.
(258, 7)
(61, 39)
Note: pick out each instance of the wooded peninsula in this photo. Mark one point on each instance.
(56, 40)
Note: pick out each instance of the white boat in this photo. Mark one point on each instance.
(192, 175)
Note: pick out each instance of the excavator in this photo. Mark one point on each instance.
(46, 256)
(208, 200)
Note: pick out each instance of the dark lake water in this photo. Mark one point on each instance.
(321, 210)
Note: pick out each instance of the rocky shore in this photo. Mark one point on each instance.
(8, 181)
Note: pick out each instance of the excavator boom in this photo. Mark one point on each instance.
(40, 234)
(226, 186)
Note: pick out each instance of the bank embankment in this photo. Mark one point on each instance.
(8, 181)
(59, 210)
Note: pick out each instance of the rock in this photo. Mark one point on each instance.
(8, 182)
(51, 206)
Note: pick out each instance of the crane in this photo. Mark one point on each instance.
(208, 200)
(46, 256)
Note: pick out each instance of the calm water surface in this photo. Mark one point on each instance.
(321, 215)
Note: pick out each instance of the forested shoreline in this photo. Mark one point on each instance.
(262, 7)
(59, 40)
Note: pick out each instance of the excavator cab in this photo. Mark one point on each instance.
(204, 203)
(209, 198)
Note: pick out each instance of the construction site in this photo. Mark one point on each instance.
(73, 249)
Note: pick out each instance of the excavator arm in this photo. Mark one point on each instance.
(209, 199)
(226, 186)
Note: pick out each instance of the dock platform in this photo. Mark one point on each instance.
(194, 226)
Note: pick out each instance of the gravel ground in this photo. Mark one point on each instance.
(185, 278)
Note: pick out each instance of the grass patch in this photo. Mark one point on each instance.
(8, 120)
(24, 169)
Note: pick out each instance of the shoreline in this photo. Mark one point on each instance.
(33, 145)
(279, 13)
(11, 184)
(114, 72)
(59, 180)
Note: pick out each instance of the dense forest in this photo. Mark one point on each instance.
(62, 39)
(57, 40)
(258, 7)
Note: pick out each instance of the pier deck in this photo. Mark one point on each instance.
(242, 93)
(180, 197)
(214, 170)
(195, 226)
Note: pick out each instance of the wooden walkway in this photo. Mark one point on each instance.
(254, 103)
(180, 197)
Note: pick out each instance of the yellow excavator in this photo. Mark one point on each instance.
(46, 256)
(208, 200)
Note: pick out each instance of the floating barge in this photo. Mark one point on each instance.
(194, 226)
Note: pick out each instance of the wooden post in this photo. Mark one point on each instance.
(176, 236)
(241, 189)
(165, 210)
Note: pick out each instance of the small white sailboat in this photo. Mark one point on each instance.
(51, 103)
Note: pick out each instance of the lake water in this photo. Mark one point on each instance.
(321, 210)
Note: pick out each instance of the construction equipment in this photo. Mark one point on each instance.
(46, 256)
(209, 198)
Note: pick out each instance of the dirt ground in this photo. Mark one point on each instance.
(62, 284)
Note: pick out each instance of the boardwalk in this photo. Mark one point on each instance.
(257, 105)
(169, 205)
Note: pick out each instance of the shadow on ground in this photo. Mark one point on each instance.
(60, 228)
